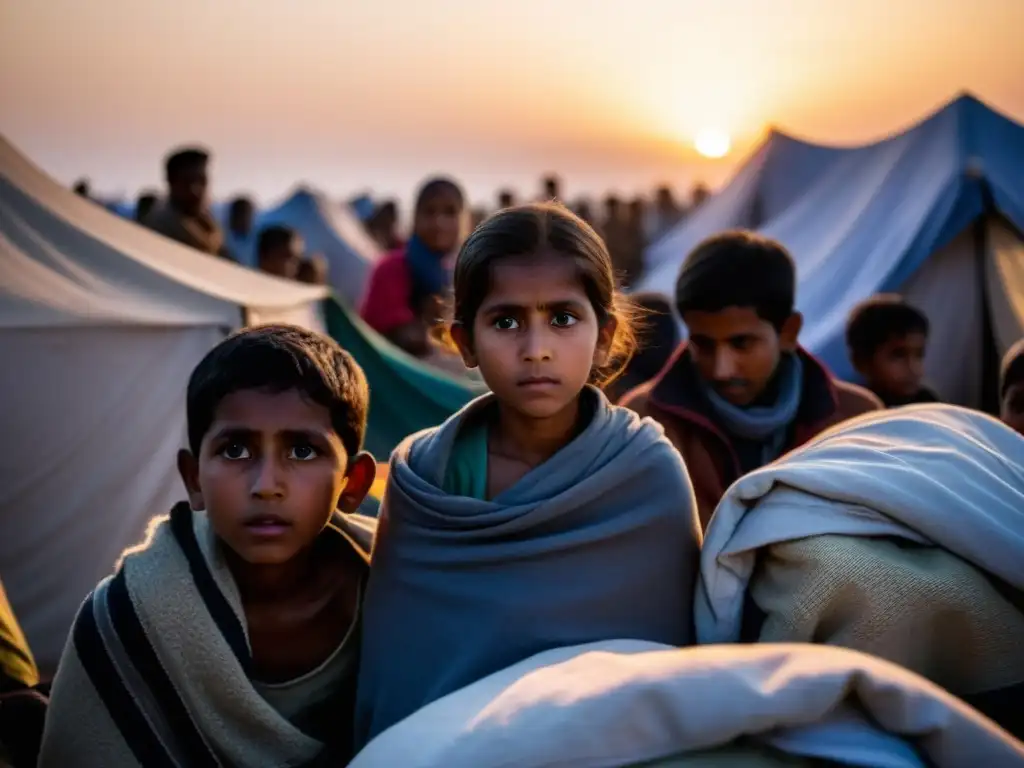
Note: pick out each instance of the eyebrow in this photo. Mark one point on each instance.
(231, 432)
(507, 308)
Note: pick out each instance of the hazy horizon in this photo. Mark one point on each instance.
(376, 96)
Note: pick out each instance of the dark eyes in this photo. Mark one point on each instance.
(239, 452)
(558, 319)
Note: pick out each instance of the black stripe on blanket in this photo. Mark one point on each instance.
(216, 603)
(135, 729)
(133, 638)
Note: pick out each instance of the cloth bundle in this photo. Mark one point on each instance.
(629, 703)
(155, 671)
(900, 534)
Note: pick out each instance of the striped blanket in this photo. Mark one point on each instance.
(155, 672)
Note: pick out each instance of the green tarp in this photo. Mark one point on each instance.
(405, 394)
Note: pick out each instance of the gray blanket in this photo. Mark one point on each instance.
(600, 542)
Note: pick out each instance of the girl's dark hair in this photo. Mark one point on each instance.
(435, 186)
(538, 228)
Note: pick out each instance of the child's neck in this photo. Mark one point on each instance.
(261, 583)
(534, 441)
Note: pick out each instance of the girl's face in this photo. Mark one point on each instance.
(536, 336)
(438, 221)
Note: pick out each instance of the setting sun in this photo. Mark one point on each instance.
(712, 143)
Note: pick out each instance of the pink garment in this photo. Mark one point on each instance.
(386, 304)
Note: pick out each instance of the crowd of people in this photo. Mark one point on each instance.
(603, 491)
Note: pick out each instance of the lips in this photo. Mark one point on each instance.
(267, 525)
(538, 381)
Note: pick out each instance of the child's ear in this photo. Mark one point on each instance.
(362, 470)
(790, 332)
(464, 344)
(188, 468)
(605, 338)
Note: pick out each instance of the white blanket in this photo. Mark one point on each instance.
(931, 474)
(625, 703)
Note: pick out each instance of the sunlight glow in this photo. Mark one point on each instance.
(712, 143)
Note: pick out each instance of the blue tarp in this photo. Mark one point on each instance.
(332, 230)
(860, 220)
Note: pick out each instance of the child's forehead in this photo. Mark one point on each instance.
(263, 410)
(535, 279)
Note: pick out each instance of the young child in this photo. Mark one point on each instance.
(229, 636)
(1011, 388)
(741, 391)
(539, 515)
(887, 338)
(406, 287)
(279, 251)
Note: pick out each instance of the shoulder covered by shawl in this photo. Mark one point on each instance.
(616, 440)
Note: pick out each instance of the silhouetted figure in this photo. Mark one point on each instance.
(313, 270)
(506, 199)
(664, 215)
(383, 226)
(185, 216)
(616, 231)
(699, 194)
(240, 237)
(552, 188)
(145, 203)
(279, 251)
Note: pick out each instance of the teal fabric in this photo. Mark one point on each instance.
(466, 473)
(406, 396)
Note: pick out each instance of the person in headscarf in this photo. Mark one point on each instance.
(408, 287)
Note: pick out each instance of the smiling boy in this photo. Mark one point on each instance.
(741, 391)
(230, 635)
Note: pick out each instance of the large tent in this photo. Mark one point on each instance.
(331, 229)
(935, 213)
(101, 323)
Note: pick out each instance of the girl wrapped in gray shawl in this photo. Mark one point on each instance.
(627, 703)
(599, 542)
(900, 534)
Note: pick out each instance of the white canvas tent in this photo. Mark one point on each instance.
(101, 323)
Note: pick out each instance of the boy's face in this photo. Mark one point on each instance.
(736, 351)
(897, 366)
(283, 260)
(270, 472)
(1011, 410)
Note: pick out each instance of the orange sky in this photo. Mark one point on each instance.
(350, 94)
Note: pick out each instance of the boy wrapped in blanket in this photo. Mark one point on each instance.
(230, 635)
(900, 534)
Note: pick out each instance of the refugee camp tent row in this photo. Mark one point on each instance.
(935, 212)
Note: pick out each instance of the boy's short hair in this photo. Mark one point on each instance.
(738, 269)
(186, 157)
(876, 320)
(274, 236)
(278, 358)
(1011, 372)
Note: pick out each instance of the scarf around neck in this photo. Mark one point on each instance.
(429, 275)
(487, 583)
(765, 424)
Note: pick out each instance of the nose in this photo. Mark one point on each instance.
(268, 479)
(536, 343)
(725, 364)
